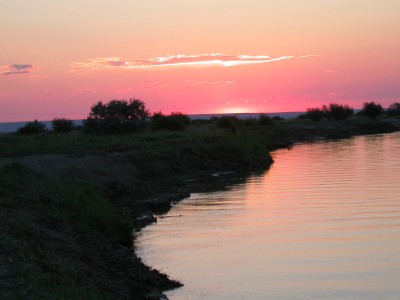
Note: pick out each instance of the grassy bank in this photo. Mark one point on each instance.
(62, 239)
(69, 202)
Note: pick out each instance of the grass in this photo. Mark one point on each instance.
(77, 142)
(80, 206)
(14, 145)
(43, 273)
(43, 227)
(63, 143)
(12, 177)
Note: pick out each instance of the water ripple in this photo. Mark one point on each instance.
(322, 223)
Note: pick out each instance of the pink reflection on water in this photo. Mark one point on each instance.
(322, 223)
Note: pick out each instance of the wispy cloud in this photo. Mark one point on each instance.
(213, 83)
(15, 69)
(213, 59)
(189, 83)
(331, 71)
(249, 100)
(222, 83)
(83, 91)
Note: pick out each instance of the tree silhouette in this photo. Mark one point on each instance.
(372, 109)
(393, 109)
(116, 116)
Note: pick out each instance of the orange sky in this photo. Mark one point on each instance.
(57, 58)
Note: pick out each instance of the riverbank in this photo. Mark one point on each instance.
(69, 202)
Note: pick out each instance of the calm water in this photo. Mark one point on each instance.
(322, 223)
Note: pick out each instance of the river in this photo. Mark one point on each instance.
(322, 223)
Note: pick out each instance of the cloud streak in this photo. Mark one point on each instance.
(206, 60)
(188, 83)
(15, 69)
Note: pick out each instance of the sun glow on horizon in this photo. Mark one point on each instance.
(236, 110)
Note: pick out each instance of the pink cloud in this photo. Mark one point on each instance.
(189, 82)
(180, 60)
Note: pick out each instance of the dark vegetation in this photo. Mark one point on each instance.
(277, 118)
(314, 114)
(34, 127)
(65, 239)
(337, 111)
(229, 123)
(372, 110)
(333, 111)
(232, 123)
(62, 125)
(265, 120)
(393, 110)
(175, 121)
(70, 199)
(116, 117)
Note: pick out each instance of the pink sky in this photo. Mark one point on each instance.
(57, 58)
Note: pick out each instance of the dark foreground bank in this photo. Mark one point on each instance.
(69, 203)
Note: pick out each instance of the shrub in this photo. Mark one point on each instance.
(116, 116)
(34, 127)
(333, 111)
(250, 122)
(201, 121)
(302, 116)
(277, 118)
(12, 177)
(265, 120)
(314, 114)
(62, 125)
(337, 111)
(372, 109)
(175, 121)
(228, 123)
(393, 109)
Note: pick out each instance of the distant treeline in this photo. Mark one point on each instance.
(122, 116)
(335, 111)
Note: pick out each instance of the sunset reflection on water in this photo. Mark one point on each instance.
(322, 223)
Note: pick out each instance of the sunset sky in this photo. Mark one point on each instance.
(59, 57)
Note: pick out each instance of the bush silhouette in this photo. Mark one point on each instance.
(62, 125)
(277, 118)
(393, 109)
(372, 109)
(249, 122)
(314, 114)
(116, 116)
(175, 121)
(33, 127)
(228, 123)
(333, 111)
(265, 120)
(337, 111)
